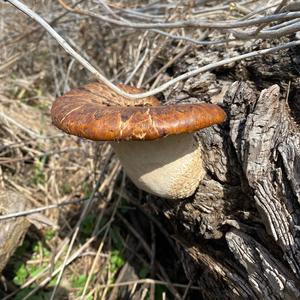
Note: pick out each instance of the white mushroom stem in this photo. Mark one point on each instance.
(170, 167)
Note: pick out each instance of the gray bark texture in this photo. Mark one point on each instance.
(238, 236)
(12, 231)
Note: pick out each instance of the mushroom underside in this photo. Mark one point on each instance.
(170, 167)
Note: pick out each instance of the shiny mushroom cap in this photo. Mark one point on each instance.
(85, 112)
(153, 141)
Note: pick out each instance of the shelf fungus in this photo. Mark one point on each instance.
(154, 142)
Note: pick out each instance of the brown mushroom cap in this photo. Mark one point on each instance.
(85, 112)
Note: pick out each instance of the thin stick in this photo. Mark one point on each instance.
(54, 272)
(102, 242)
(268, 34)
(102, 188)
(40, 209)
(150, 281)
(164, 86)
(174, 37)
(67, 47)
(277, 10)
(77, 227)
(204, 24)
(32, 133)
(169, 63)
(137, 66)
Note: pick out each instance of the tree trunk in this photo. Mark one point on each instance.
(238, 235)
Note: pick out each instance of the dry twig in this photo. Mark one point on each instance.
(189, 23)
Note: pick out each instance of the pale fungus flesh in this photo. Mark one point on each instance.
(154, 142)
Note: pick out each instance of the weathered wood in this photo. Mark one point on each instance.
(12, 231)
(238, 236)
(268, 277)
(269, 128)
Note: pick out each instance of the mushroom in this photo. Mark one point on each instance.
(154, 142)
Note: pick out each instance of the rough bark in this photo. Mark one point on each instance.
(238, 236)
(12, 231)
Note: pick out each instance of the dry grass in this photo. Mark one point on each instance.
(47, 167)
(111, 251)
